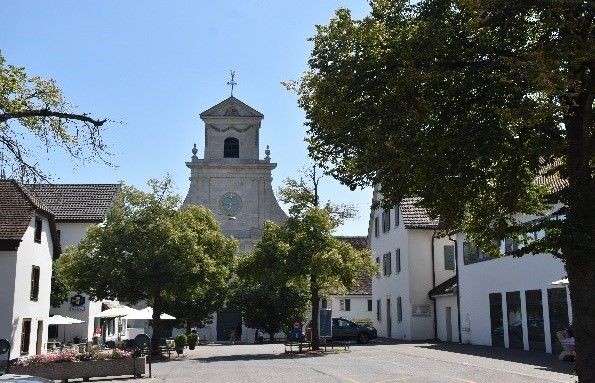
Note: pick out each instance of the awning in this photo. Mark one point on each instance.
(119, 311)
(59, 319)
(563, 281)
(147, 313)
(448, 287)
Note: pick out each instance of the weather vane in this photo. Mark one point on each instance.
(232, 82)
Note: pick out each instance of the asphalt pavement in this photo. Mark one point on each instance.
(380, 362)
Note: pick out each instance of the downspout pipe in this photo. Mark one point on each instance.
(434, 285)
(458, 287)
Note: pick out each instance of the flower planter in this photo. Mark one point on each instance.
(87, 369)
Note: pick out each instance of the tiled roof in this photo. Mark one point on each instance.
(550, 177)
(358, 242)
(77, 202)
(445, 288)
(17, 206)
(415, 217)
(363, 285)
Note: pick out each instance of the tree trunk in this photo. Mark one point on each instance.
(157, 330)
(315, 303)
(578, 235)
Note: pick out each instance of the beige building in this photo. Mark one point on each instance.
(231, 179)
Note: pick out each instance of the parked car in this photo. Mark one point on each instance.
(344, 329)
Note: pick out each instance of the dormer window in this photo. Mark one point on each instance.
(38, 227)
(231, 148)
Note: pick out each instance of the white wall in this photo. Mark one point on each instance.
(358, 309)
(442, 302)
(501, 275)
(31, 254)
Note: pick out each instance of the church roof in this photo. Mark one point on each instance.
(77, 202)
(231, 107)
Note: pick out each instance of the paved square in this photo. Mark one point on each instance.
(374, 363)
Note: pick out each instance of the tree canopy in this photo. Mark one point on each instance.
(465, 104)
(34, 117)
(150, 249)
(269, 293)
(323, 262)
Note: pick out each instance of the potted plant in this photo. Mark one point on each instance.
(192, 340)
(180, 342)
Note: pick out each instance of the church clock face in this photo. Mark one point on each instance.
(230, 203)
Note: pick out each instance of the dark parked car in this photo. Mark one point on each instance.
(344, 329)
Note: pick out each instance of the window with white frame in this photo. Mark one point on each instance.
(370, 308)
(345, 304)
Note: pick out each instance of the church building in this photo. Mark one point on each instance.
(235, 184)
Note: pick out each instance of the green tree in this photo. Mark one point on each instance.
(465, 104)
(59, 292)
(323, 262)
(269, 294)
(149, 249)
(35, 118)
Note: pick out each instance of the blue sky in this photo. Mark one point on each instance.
(156, 65)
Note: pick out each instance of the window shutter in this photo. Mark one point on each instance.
(398, 260)
(399, 310)
(347, 304)
(389, 261)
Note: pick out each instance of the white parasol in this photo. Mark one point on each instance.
(59, 319)
(147, 314)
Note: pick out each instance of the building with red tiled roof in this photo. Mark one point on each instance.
(28, 244)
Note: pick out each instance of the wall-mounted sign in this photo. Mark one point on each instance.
(77, 303)
(420, 310)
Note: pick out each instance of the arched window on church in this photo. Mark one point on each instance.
(231, 148)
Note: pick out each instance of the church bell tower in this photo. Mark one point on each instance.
(231, 179)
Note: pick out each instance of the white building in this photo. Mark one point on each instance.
(28, 243)
(76, 207)
(412, 260)
(510, 301)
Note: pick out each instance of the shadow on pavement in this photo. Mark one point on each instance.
(540, 360)
(247, 357)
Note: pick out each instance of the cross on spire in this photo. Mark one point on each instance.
(232, 82)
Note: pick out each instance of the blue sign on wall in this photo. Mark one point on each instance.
(77, 303)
